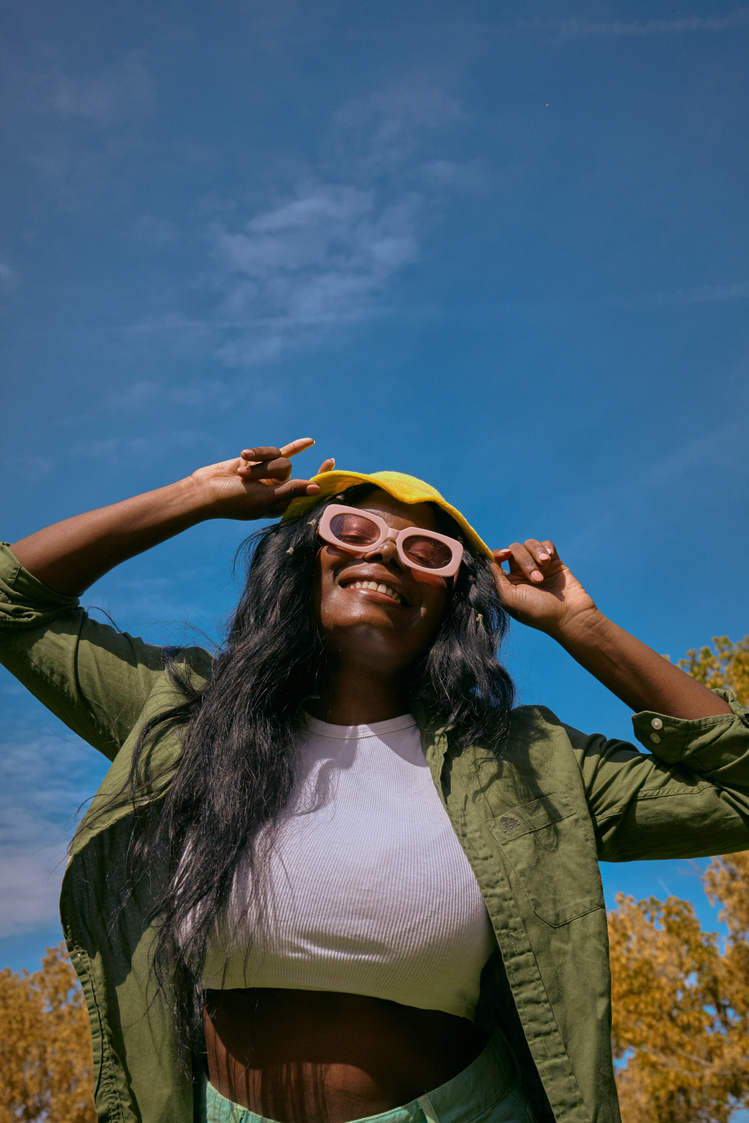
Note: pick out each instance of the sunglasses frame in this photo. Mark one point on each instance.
(388, 534)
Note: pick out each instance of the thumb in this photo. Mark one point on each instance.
(499, 557)
(292, 489)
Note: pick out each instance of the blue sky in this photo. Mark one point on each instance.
(503, 250)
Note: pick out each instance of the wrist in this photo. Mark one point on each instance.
(588, 627)
(197, 498)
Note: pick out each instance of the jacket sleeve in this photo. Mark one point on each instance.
(94, 678)
(687, 797)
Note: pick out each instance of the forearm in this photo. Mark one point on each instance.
(642, 678)
(70, 555)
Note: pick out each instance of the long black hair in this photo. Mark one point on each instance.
(239, 732)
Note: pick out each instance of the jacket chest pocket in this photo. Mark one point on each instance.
(545, 843)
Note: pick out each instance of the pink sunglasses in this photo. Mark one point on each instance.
(360, 532)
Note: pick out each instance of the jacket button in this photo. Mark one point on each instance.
(654, 738)
(507, 823)
(657, 723)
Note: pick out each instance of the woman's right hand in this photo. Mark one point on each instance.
(69, 556)
(256, 484)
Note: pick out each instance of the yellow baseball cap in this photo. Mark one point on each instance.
(405, 488)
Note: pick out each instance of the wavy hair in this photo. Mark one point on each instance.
(238, 735)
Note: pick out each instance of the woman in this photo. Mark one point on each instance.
(334, 867)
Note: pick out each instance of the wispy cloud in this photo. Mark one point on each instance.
(147, 394)
(44, 780)
(704, 294)
(29, 887)
(157, 609)
(569, 30)
(689, 469)
(8, 278)
(119, 93)
(155, 229)
(325, 257)
(706, 456)
(386, 130)
(140, 447)
(697, 294)
(316, 263)
(78, 129)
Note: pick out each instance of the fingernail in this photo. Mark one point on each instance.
(544, 555)
(248, 452)
(537, 575)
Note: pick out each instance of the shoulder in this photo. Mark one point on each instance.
(536, 722)
(195, 661)
(542, 748)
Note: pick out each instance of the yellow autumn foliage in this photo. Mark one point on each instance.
(725, 665)
(681, 995)
(45, 1045)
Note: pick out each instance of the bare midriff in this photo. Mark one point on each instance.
(321, 1057)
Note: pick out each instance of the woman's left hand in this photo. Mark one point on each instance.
(539, 589)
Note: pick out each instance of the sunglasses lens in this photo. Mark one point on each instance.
(354, 529)
(427, 552)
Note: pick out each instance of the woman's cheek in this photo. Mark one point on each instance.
(432, 579)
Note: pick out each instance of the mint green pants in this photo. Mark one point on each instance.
(485, 1092)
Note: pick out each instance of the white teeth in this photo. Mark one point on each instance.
(379, 588)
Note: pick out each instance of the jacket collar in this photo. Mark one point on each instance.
(434, 741)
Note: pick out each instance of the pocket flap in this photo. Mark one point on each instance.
(556, 863)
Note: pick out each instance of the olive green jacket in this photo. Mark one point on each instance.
(533, 824)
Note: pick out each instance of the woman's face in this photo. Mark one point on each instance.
(391, 627)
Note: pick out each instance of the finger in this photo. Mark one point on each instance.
(326, 466)
(249, 458)
(292, 489)
(522, 562)
(262, 452)
(274, 469)
(537, 550)
(297, 446)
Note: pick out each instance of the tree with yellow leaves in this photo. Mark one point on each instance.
(681, 995)
(727, 666)
(45, 1045)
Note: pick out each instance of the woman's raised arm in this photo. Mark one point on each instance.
(540, 591)
(70, 555)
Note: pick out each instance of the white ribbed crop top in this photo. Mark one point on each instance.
(369, 890)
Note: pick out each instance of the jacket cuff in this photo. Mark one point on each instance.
(25, 601)
(674, 738)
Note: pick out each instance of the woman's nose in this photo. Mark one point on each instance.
(386, 550)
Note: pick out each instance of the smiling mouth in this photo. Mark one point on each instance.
(377, 587)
